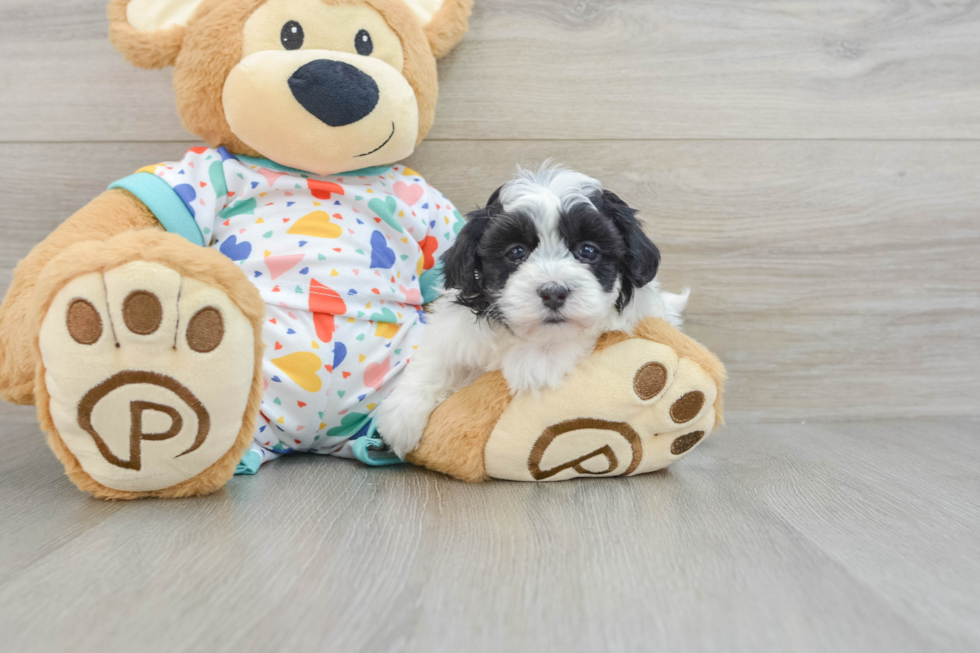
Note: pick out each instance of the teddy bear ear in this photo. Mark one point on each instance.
(149, 33)
(445, 22)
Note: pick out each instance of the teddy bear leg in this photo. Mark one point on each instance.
(149, 366)
(638, 404)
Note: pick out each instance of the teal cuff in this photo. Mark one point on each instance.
(431, 283)
(249, 464)
(165, 204)
(372, 450)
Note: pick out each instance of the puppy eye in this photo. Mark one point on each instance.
(587, 252)
(363, 43)
(292, 35)
(516, 253)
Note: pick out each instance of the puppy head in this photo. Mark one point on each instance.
(320, 85)
(552, 249)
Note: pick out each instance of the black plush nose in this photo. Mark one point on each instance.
(553, 295)
(337, 93)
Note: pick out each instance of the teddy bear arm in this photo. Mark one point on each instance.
(109, 214)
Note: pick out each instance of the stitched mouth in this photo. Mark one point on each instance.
(390, 136)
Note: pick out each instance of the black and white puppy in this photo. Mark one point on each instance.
(552, 262)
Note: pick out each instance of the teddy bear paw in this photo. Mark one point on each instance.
(147, 374)
(634, 407)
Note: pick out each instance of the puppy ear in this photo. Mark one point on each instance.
(461, 264)
(445, 22)
(150, 33)
(642, 258)
(493, 204)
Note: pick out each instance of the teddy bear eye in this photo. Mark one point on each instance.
(292, 35)
(363, 43)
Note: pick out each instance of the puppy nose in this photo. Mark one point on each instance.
(553, 295)
(337, 93)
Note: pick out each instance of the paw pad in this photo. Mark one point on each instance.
(685, 443)
(650, 380)
(206, 330)
(687, 407)
(83, 322)
(142, 312)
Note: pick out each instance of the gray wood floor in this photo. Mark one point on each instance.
(799, 537)
(811, 168)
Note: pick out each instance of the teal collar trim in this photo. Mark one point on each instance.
(269, 164)
(272, 165)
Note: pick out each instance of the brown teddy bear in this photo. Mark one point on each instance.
(262, 295)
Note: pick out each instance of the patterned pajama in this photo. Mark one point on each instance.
(344, 264)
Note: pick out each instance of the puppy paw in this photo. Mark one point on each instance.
(147, 375)
(529, 371)
(525, 379)
(633, 407)
(402, 418)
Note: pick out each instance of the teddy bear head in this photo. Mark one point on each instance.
(324, 86)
